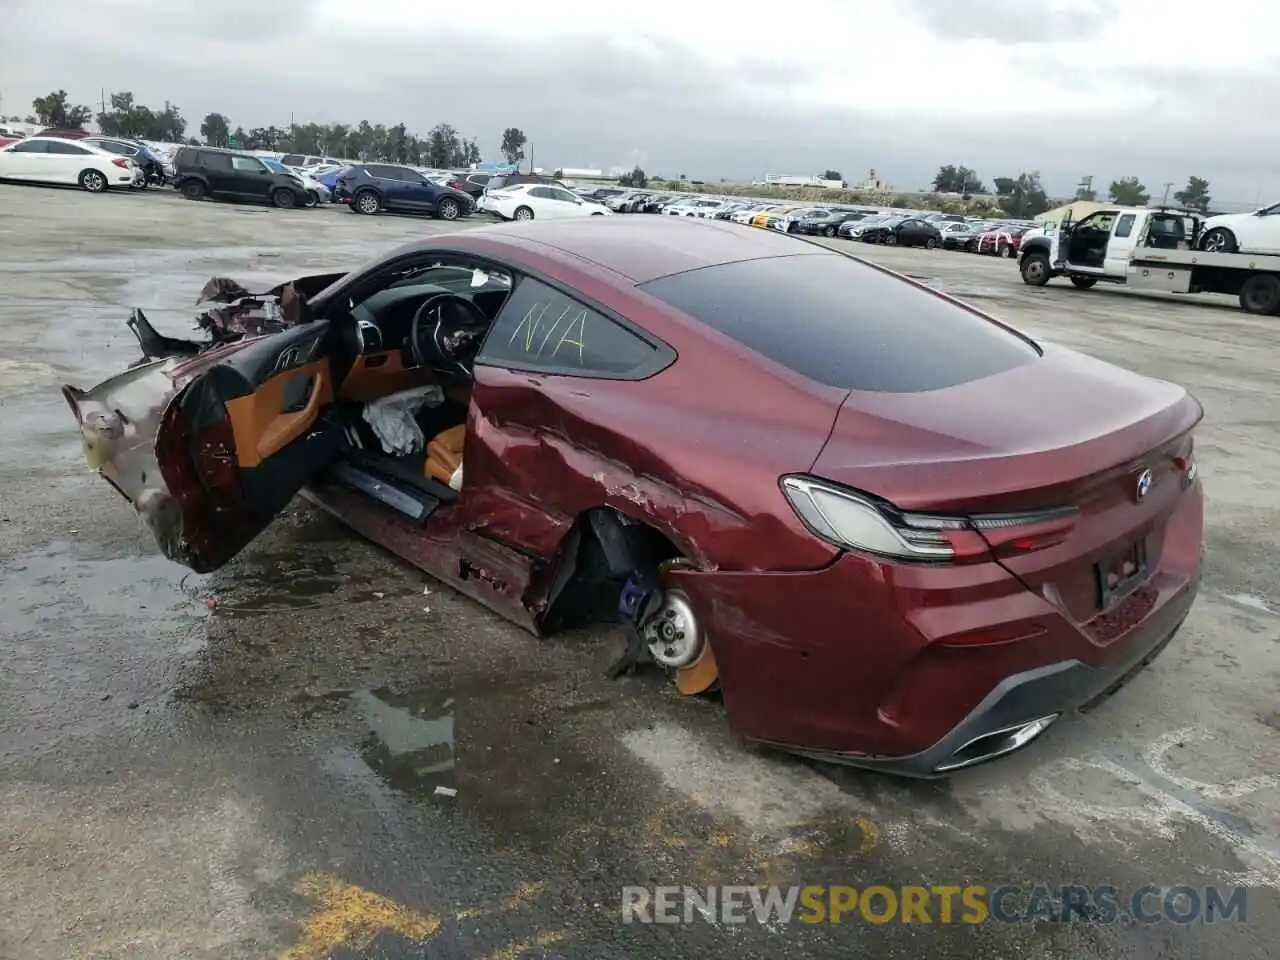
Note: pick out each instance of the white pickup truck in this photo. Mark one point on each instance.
(1148, 249)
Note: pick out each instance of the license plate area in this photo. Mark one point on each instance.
(1121, 575)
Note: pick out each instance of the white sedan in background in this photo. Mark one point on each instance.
(541, 201)
(58, 160)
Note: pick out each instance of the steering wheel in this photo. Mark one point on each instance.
(453, 327)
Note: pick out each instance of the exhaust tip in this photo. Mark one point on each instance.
(997, 743)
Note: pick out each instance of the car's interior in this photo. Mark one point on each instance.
(420, 326)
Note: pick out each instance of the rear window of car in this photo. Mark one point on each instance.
(845, 324)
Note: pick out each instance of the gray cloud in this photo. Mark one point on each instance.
(594, 100)
(1012, 21)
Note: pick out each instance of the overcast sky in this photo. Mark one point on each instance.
(1110, 88)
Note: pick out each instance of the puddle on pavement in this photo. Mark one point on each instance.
(266, 583)
(411, 743)
(90, 638)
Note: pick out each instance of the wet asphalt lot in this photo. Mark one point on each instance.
(244, 765)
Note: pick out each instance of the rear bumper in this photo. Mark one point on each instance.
(1024, 705)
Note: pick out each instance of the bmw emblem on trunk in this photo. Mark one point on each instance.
(1144, 484)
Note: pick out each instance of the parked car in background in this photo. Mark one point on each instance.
(501, 180)
(317, 192)
(1002, 241)
(654, 204)
(701, 207)
(827, 223)
(472, 184)
(747, 212)
(55, 160)
(310, 160)
(151, 164)
(852, 229)
(216, 174)
(370, 188)
(790, 222)
(903, 231)
(540, 201)
(961, 236)
(627, 202)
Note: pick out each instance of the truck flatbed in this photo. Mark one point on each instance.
(1254, 278)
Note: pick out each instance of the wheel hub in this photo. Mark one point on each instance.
(673, 634)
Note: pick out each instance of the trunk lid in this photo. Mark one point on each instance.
(1066, 431)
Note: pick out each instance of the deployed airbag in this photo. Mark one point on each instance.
(394, 418)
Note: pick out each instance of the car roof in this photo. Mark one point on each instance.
(646, 248)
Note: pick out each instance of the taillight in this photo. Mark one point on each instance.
(458, 184)
(121, 162)
(857, 521)
(1185, 461)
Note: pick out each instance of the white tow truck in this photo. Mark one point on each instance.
(1148, 249)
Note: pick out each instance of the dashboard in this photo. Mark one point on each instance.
(384, 321)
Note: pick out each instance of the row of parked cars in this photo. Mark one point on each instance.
(929, 229)
(76, 158)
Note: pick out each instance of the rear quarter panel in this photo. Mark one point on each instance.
(695, 450)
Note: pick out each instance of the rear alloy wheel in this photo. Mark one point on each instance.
(1219, 240)
(193, 190)
(1261, 295)
(284, 199)
(523, 213)
(1084, 283)
(93, 181)
(930, 243)
(1035, 270)
(367, 202)
(313, 199)
(1005, 251)
(890, 239)
(829, 232)
(448, 209)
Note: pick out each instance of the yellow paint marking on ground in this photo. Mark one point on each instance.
(523, 895)
(539, 942)
(870, 834)
(350, 916)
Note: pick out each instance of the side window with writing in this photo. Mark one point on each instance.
(540, 327)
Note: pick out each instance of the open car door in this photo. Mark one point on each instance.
(210, 449)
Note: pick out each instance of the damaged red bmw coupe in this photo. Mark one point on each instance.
(896, 532)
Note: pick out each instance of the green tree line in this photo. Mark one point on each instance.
(442, 146)
(1023, 195)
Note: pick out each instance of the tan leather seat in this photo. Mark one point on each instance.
(444, 453)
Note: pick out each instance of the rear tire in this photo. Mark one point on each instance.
(94, 181)
(1084, 283)
(284, 199)
(193, 190)
(366, 202)
(1005, 252)
(829, 232)
(522, 214)
(890, 240)
(1219, 240)
(313, 199)
(1035, 270)
(930, 244)
(1260, 295)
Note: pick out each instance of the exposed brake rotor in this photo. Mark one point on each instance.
(677, 639)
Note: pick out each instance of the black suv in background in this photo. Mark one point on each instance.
(370, 187)
(201, 172)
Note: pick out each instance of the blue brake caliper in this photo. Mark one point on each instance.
(640, 598)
